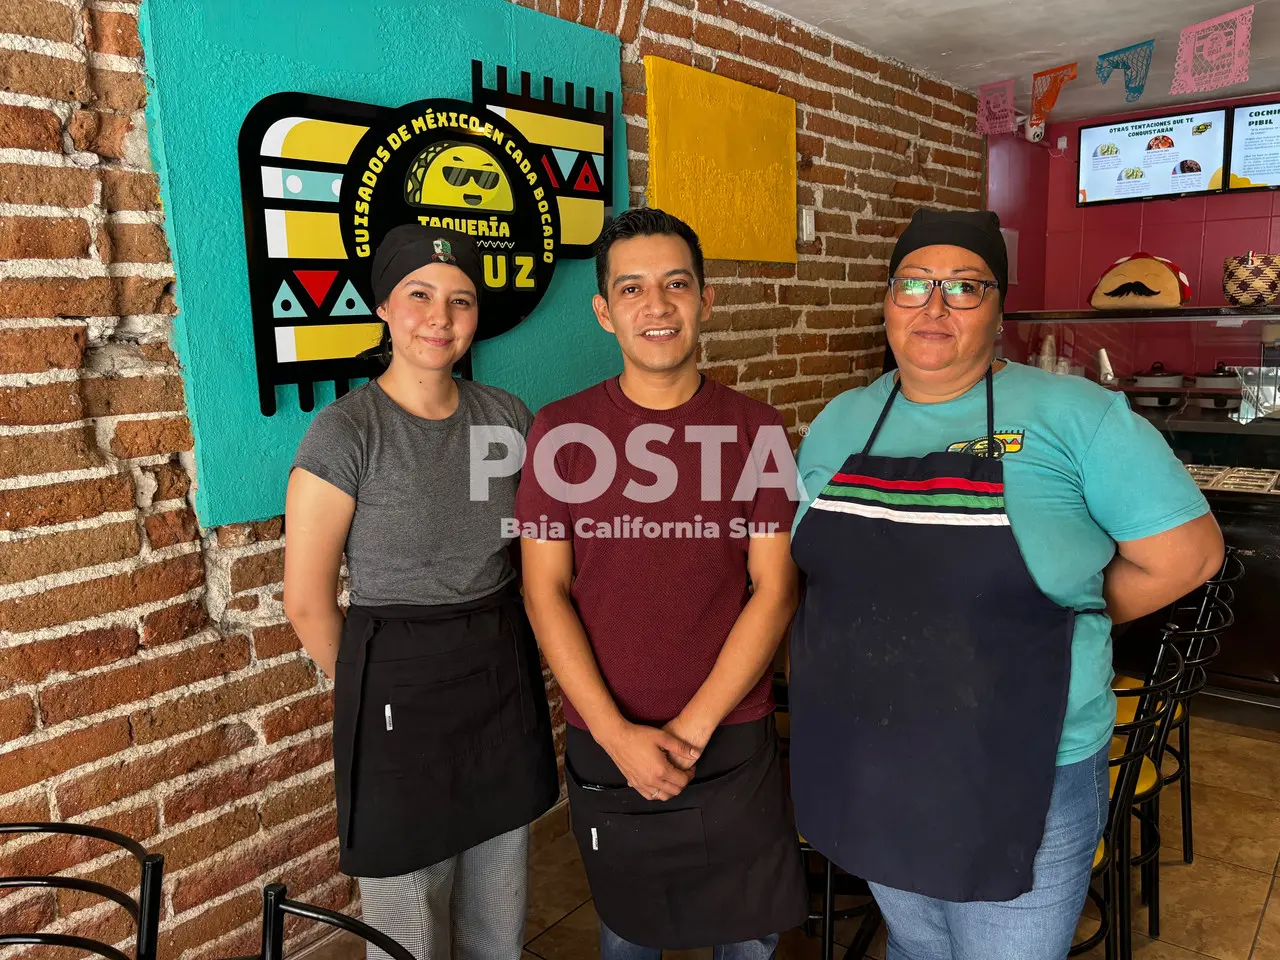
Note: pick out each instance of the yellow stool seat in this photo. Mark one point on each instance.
(1125, 706)
(1101, 852)
(1148, 778)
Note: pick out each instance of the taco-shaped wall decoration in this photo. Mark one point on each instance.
(1141, 281)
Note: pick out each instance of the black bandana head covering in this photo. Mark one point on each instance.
(974, 230)
(411, 246)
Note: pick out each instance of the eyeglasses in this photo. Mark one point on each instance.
(957, 293)
(458, 176)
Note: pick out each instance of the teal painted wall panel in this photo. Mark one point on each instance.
(208, 63)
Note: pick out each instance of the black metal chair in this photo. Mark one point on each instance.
(1199, 646)
(276, 906)
(1214, 616)
(1200, 618)
(834, 882)
(1133, 773)
(145, 910)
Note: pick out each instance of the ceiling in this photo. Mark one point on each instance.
(971, 42)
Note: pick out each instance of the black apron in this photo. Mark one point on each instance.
(441, 732)
(929, 677)
(718, 863)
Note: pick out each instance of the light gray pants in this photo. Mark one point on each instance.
(469, 907)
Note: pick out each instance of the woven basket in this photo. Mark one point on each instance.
(1252, 280)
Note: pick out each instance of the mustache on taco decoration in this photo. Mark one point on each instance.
(323, 180)
(1141, 281)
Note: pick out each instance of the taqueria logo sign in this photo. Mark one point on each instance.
(323, 180)
(444, 166)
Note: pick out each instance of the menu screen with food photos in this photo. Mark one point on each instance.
(1255, 146)
(1156, 157)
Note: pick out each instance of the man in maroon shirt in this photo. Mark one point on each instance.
(655, 513)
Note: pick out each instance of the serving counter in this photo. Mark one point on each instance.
(1208, 378)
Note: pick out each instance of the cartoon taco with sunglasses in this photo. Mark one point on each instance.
(455, 174)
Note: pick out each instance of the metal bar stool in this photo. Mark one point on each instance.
(1201, 618)
(828, 916)
(1132, 773)
(276, 906)
(145, 911)
(1199, 645)
(1214, 617)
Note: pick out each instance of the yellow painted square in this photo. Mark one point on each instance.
(722, 157)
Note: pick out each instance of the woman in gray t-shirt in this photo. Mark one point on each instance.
(442, 736)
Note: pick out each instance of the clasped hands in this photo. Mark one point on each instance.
(658, 763)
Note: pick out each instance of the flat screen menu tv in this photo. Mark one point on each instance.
(1255, 146)
(1165, 156)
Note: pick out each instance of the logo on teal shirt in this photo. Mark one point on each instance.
(1008, 441)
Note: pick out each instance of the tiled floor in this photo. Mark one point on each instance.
(1225, 906)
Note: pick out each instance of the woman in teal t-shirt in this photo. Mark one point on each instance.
(972, 529)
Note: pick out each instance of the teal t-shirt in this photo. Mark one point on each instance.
(1081, 471)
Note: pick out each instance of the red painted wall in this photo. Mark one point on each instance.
(1196, 233)
(1018, 190)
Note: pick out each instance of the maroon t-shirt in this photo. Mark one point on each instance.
(659, 578)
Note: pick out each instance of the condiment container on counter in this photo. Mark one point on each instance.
(1048, 354)
(1106, 375)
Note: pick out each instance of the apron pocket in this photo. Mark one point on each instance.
(422, 724)
(643, 843)
(648, 841)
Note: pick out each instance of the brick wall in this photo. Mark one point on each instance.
(148, 680)
(874, 139)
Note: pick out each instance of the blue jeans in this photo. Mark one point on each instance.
(1040, 924)
(613, 947)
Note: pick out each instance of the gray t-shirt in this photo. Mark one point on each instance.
(418, 536)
